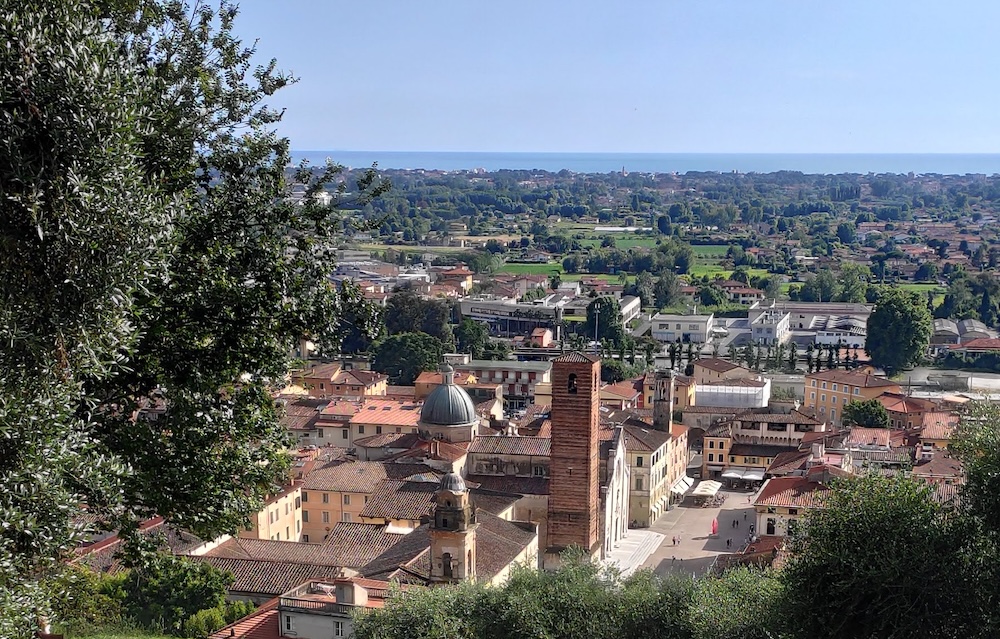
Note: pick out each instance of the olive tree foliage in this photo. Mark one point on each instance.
(149, 255)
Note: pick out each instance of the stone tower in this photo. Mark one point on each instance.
(663, 401)
(453, 532)
(574, 495)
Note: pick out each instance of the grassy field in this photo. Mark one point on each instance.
(710, 250)
(712, 269)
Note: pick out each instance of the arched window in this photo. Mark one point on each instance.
(571, 386)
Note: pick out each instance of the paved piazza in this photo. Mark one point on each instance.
(696, 549)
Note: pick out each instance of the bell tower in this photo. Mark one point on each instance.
(453, 532)
(574, 496)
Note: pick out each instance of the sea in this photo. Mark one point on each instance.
(817, 163)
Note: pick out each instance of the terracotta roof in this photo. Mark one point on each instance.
(357, 377)
(387, 412)
(978, 344)
(103, 555)
(625, 390)
(577, 358)
(257, 577)
(644, 439)
(498, 543)
(339, 408)
(859, 436)
(301, 413)
(400, 391)
(897, 403)
(400, 499)
(436, 377)
(515, 485)
(266, 549)
(439, 450)
(262, 623)
(359, 476)
(678, 430)
(718, 365)
(941, 464)
(326, 371)
(795, 492)
(714, 410)
(354, 545)
(862, 380)
(787, 462)
(388, 440)
(511, 445)
(939, 425)
(794, 417)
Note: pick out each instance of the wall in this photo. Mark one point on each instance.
(305, 625)
(315, 527)
(616, 495)
(280, 520)
(782, 519)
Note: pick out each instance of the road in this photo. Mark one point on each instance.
(697, 550)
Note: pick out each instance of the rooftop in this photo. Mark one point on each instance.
(387, 412)
(511, 445)
(862, 380)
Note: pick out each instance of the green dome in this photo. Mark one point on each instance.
(448, 404)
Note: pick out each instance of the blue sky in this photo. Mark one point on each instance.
(710, 76)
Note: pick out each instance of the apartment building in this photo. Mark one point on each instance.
(281, 517)
(518, 379)
(827, 392)
(668, 327)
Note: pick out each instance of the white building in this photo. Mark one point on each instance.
(734, 393)
(615, 494)
(808, 315)
(686, 328)
(846, 330)
(631, 308)
(771, 327)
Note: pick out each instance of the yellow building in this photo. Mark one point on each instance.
(429, 380)
(340, 491)
(657, 464)
(715, 369)
(281, 517)
(331, 380)
(827, 392)
(783, 501)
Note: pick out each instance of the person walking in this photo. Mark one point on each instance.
(744, 516)
(729, 542)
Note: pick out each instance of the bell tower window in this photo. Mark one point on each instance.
(446, 565)
(571, 386)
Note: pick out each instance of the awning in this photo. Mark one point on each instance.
(681, 485)
(754, 475)
(734, 473)
(715, 469)
(707, 489)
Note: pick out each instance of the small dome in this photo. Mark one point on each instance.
(448, 404)
(452, 482)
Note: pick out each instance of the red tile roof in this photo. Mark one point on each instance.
(396, 499)
(795, 492)
(717, 365)
(511, 445)
(359, 476)
(261, 578)
(262, 623)
(387, 412)
(853, 379)
(978, 344)
(939, 425)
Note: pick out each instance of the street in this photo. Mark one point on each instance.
(696, 549)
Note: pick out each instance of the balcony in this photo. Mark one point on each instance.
(314, 607)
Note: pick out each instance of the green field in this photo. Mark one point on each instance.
(710, 250)
(713, 269)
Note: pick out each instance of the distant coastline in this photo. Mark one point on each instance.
(821, 163)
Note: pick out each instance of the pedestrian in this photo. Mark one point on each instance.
(737, 523)
(744, 516)
(729, 542)
(673, 540)
(672, 560)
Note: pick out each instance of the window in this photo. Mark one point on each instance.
(288, 618)
(538, 471)
(338, 628)
(814, 381)
(822, 398)
(288, 533)
(638, 483)
(305, 516)
(305, 538)
(305, 496)
(345, 517)
(770, 526)
(361, 430)
(833, 414)
(732, 459)
(326, 517)
(812, 395)
(770, 510)
(378, 430)
(711, 457)
(347, 500)
(326, 498)
(824, 386)
(286, 509)
(344, 434)
(711, 444)
(856, 391)
(298, 503)
(638, 462)
(834, 387)
(833, 398)
(721, 446)
(320, 432)
(793, 511)
(571, 384)
(277, 537)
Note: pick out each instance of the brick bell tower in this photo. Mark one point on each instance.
(574, 494)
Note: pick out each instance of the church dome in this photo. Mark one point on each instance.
(452, 482)
(448, 404)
